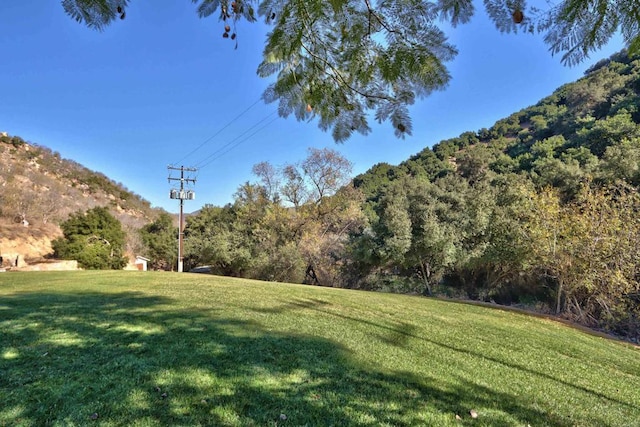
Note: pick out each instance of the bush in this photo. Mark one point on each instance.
(94, 238)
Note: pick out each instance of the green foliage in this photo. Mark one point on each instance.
(622, 161)
(394, 228)
(94, 238)
(589, 248)
(517, 213)
(95, 14)
(597, 135)
(15, 141)
(290, 227)
(159, 239)
(415, 233)
(496, 272)
(574, 28)
(473, 164)
(343, 60)
(375, 179)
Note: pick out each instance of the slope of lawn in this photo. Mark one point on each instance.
(167, 349)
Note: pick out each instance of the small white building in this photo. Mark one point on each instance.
(141, 263)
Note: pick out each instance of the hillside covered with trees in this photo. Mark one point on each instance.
(541, 210)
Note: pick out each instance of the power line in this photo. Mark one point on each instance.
(221, 151)
(214, 158)
(218, 132)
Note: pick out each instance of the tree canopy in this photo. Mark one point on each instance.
(94, 238)
(340, 60)
(159, 240)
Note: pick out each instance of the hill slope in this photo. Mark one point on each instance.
(149, 349)
(578, 130)
(538, 209)
(38, 189)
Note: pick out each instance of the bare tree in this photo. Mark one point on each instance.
(294, 190)
(270, 179)
(327, 171)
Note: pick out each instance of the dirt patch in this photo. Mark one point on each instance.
(26, 245)
(52, 265)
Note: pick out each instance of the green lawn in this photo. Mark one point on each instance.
(166, 349)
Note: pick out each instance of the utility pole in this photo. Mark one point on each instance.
(181, 195)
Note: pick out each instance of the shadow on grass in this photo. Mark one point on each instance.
(297, 304)
(399, 333)
(134, 360)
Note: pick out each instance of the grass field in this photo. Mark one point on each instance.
(166, 349)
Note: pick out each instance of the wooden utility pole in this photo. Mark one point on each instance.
(181, 195)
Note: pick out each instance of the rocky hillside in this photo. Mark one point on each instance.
(39, 189)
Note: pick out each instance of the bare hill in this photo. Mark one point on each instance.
(39, 189)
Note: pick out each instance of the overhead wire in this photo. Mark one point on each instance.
(219, 153)
(217, 133)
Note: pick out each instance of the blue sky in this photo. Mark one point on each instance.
(152, 88)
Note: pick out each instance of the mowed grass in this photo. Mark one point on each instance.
(167, 349)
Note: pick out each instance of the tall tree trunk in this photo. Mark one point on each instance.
(559, 297)
(426, 272)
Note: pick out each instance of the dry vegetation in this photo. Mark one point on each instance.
(39, 189)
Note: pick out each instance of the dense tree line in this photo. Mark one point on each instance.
(292, 225)
(540, 209)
